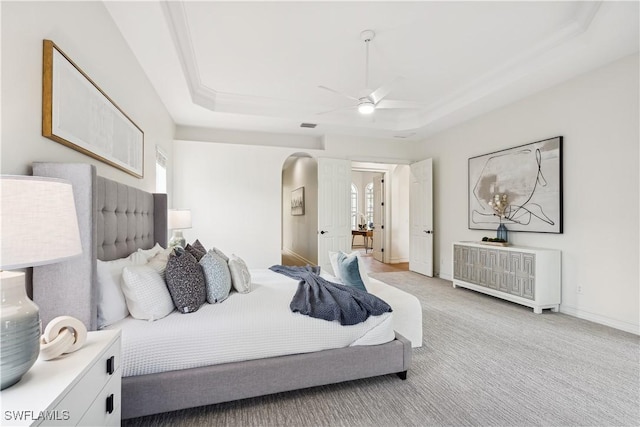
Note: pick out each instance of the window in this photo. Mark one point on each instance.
(354, 207)
(368, 203)
(161, 171)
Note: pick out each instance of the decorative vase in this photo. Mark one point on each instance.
(502, 232)
(177, 239)
(19, 331)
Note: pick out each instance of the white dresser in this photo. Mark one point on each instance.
(80, 388)
(527, 276)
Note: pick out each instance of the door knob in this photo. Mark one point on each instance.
(428, 231)
(322, 232)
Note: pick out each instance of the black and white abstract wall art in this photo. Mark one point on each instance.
(530, 175)
(297, 201)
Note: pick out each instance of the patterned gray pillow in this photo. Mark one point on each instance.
(240, 276)
(197, 253)
(216, 276)
(185, 281)
(199, 246)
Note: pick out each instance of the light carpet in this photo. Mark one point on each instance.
(484, 362)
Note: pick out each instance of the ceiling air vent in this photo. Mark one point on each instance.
(308, 125)
(401, 136)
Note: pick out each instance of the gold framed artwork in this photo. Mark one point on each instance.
(78, 114)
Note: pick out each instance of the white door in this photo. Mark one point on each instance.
(378, 216)
(421, 218)
(334, 209)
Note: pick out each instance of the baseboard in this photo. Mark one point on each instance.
(398, 260)
(603, 320)
(582, 314)
(298, 257)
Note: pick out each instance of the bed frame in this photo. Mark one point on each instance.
(115, 220)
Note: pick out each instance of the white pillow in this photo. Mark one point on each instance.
(159, 261)
(146, 293)
(240, 276)
(149, 253)
(112, 306)
(333, 258)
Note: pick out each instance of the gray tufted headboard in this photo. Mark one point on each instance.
(114, 220)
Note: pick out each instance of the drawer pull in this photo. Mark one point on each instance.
(110, 403)
(111, 365)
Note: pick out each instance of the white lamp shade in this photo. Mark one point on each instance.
(179, 219)
(38, 222)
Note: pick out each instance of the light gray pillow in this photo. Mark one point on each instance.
(240, 276)
(216, 276)
(221, 254)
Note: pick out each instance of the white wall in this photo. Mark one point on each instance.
(597, 113)
(88, 35)
(300, 232)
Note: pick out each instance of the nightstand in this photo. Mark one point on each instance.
(81, 388)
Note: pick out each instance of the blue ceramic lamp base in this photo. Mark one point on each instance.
(19, 331)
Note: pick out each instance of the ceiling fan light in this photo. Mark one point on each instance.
(366, 107)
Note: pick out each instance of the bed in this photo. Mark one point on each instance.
(116, 220)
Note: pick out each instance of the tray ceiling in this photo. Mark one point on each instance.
(256, 66)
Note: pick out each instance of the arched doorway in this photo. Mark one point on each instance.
(300, 218)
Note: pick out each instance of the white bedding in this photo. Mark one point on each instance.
(243, 327)
(407, 310)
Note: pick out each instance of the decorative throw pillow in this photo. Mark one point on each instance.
(146, 293)
(112, 306)
(216, 276)
(221, 254)
(197, 253)
(159, 261)
(333, 258)
(240, 276)
(349, 271)
(199, 246)
(185, 281)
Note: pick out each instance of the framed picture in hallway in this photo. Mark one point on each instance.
(297, 201)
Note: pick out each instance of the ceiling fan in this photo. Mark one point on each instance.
(371, 100)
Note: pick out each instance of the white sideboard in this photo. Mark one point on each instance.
(527, 276)
(79, 388)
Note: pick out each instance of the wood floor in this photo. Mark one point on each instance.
(371, 265)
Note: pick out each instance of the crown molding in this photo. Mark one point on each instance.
(529, 60)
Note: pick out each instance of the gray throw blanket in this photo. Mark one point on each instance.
(319, 298)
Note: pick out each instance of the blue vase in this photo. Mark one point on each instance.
(502, 232)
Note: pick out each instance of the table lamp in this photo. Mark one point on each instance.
(179, 219)
(38, 226)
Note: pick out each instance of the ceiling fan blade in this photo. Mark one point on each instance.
(378, 94)
(339, 93)
(391, 103)
(335, 109)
